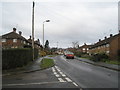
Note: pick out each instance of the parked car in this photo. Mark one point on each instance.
(70, 55)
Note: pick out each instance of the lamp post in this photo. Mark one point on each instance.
(43, 32)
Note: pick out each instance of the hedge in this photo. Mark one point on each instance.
(13, 58)
(99, 57)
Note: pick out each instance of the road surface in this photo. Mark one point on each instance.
(67, 73)
(87, 75)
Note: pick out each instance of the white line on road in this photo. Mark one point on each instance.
(61, 80)
(63, 75)
(53, 69)
(58, 70)
(75, 84)
(57, 75)
(69, 80)
(64, 59)
(20, 84)
(61, 72)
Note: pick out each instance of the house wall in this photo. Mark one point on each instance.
(114, 47)
(10, 44)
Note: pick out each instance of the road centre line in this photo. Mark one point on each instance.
(75, 84)
(57, 75)
(61, 80)
(53, 69)
(66, 78)
(64, 59)
(69, 80)
(59, 70)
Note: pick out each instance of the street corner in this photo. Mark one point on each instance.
(48, 78)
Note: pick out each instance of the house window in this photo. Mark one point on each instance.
(24, 42)
(14, 40)
(83, 48)
(107, 52)
(3, 40)
(107, 45)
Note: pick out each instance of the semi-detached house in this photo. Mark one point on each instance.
(16, 40)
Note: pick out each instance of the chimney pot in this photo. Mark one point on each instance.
(14, 30)
(111, 35)
(30, 37)
(20, 33)
(105, 37)
(99, 40)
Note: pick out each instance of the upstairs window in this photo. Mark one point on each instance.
(83, 49)
(24, 42)
(14, 40)
(3, 40)
(107, 45)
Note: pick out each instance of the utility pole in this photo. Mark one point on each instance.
(33, 28)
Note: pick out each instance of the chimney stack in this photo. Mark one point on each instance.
(99, 40)
(105, 37)
(20, 33)
(111, 35)
(30, 37)
(14, 30)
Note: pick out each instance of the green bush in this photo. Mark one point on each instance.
(99, 57)
(78, 54)
(13, 58)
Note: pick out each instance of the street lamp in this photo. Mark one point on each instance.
(43, 32)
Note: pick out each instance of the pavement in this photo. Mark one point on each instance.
(101, 64)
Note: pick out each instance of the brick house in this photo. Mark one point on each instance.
(109, 45)
(15, 40)
(84, 48)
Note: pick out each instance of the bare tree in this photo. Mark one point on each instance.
(75, 44)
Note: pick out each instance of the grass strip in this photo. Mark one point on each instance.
(46, 63)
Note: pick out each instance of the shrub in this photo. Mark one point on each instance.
(99, 57)
(13, 58)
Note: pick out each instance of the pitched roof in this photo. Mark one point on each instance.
(13, 35)
(105, 41)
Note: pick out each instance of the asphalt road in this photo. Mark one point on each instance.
(48, 78)
(86, 75)
(67, 73)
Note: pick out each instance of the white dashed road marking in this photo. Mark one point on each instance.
(69, 80)
(75, 84)
(61, 80)
(57, 75)
(61, 76)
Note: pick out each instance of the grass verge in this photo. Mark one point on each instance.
(111, 62)
(107, 61)
(52, 55)
(46, 63)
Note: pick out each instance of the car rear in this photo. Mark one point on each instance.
(70, 56)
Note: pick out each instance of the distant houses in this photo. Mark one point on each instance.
(109, 46)
(84, 48)
(16, 40)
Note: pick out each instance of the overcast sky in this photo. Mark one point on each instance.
(85, 21)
